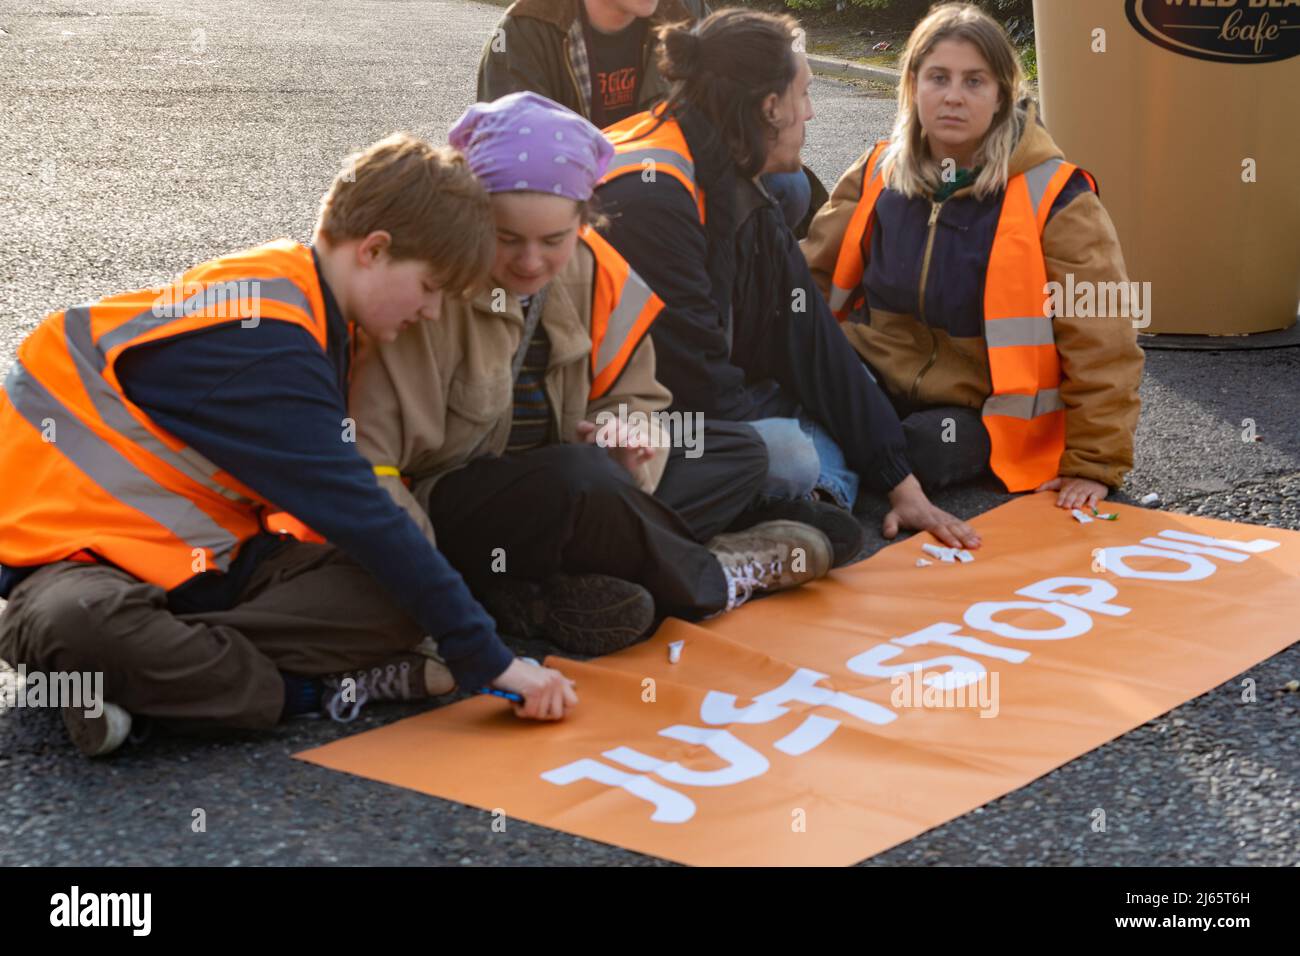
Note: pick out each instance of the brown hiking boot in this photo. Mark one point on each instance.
(412, 676)
(594, 614)
(845, 531)
(770, 557)
(588, 614)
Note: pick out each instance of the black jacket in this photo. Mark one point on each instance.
(745, 333)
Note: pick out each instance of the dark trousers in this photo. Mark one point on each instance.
(713, 489)
(572, 508)
(307, 609)
(946, 444)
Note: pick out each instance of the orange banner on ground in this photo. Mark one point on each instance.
(824, 725)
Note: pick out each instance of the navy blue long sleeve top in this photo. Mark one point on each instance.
(268, 406)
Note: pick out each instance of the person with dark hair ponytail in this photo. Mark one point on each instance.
(745, 335)
(598, 58)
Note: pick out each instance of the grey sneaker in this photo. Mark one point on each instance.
(771, 556)
(588, 614)
(97, 736)
(413, 676)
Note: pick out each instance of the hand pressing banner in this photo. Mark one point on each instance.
(826, 724)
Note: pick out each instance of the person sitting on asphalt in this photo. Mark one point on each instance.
(744, 335)
(148, 435)
(597, 57)
(497, 428)
(951, 231)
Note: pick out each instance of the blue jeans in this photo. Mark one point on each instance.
(802, 458)
(793, 194)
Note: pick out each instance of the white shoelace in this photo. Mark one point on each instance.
(742, 580)
(390, 683)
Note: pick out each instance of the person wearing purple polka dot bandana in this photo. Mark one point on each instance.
(510, 427)
(540, 162)
(526, 143)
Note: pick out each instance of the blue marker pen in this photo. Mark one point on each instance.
(513, 698)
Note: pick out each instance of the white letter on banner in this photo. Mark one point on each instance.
(946, 634)
(1236, 557)
(745, 763)
(813, 732)
(1185, 547)
(1073, 621)
(1197, 568)
(719, 708)
(964, 670)
(1099, 592)
(1258, 546)
(670, 806)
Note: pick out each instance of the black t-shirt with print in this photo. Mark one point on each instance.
(616, 60)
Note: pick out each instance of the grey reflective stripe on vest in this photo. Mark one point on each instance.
(276, 290)
(839, 297)
(89, 363)
(635, 157)
(632, 300)
(1030, 330)
(1035, 330)
(106, 467)
(1024, 406)
(1037, 178)
(876, 171)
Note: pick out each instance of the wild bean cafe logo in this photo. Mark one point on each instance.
(1223, 31)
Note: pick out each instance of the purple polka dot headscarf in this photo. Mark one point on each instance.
(526, 142)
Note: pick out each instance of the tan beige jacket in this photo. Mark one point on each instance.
(1101, 363)
(441, 394)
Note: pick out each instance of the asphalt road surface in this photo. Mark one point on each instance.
(142, 137)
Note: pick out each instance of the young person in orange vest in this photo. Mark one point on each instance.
(952, 230)
(498, 428)
(147, 436)
(744, 335)
(597, 57)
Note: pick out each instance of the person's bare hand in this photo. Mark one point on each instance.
(910, 509)
(547, 694)
(630, 448)
(1076, 492)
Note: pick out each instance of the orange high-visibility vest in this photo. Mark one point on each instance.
(623, 308)
(648, 144)
(1024, 414)
(83, 470)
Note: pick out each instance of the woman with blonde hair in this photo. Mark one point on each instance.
(939, 250)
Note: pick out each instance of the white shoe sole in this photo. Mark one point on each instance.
(97, 736)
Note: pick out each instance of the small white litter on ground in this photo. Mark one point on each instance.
(922, 563)
(1080, 517)
(675, 651)
(946, 555)
(1150, 499)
